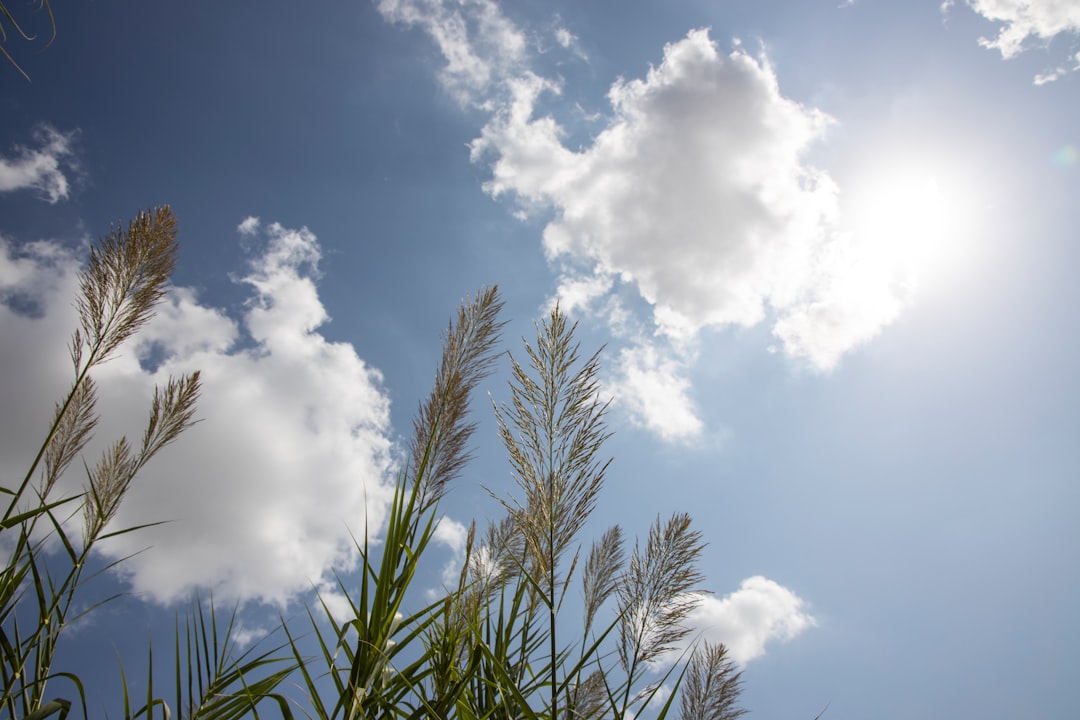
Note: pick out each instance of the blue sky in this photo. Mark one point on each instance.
(829, 249)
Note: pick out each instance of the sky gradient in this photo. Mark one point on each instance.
(829, 249)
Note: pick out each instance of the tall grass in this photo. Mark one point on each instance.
(499, 644)
(120, 286)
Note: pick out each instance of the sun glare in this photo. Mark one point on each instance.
(912, 220)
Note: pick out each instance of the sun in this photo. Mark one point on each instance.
(913, 219)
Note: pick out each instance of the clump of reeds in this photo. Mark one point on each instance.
(123, 281)
(495, 646)
(553, 429)
(366, 681)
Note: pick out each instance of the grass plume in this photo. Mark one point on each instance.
(712, 686)
(600, 577)
(658, 591)
(124, 279)
(368, 684)
(440, 431)
(553, 429)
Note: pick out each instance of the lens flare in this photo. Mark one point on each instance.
(1066, 156)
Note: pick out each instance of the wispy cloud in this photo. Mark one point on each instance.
(40, 166)
(1025, 20)
(1052, 74)
(480, 45)
(568, 40)
(291, 419)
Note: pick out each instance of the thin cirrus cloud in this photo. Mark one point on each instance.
(695, 196)
(40, 166)
(290, 421)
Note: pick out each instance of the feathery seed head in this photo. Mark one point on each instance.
(712, 686)
(124, 279)
(659, 591)
(553, 429)
(441, 432)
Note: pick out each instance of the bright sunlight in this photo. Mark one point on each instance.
(914, 220)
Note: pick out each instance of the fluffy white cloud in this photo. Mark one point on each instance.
(695, 192)
(293, 450)
(759, 612)
(565, 38)
(695, 196)
(41, 167)
(568, 40)
(652, 386)
(576, 293)
(39, 280)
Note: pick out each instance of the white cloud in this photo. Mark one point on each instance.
(249, 226)
(335, 603)
(652, 386)
(696, 197)
(480, 45)
(568, 40)
(293, 449)
(40, 280)
(1052, 74)
(578, 293)
(857, 290)
(760, 612)
(39, 168)
(564, 37)
(452, 535)
(695, 191)
(1023, 20)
